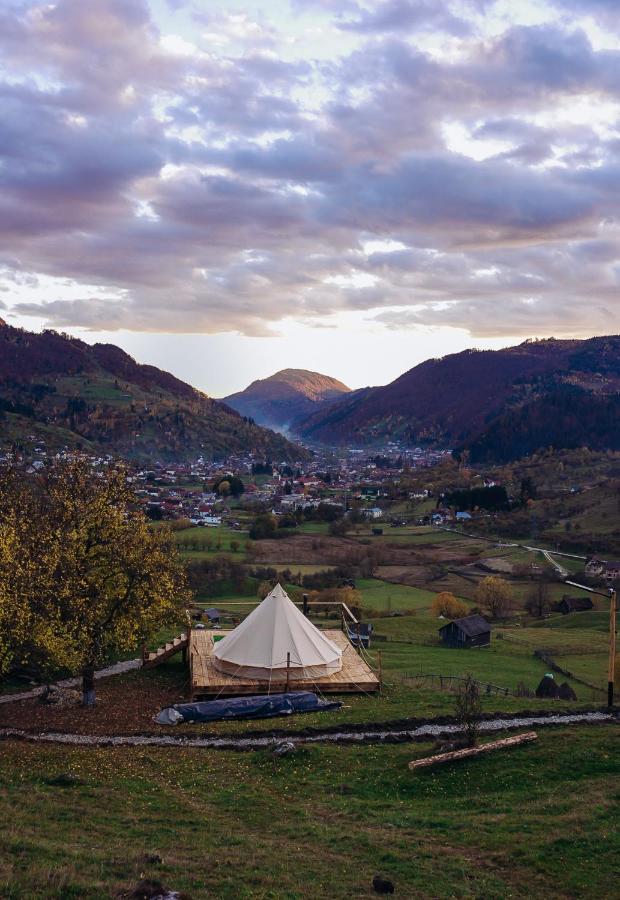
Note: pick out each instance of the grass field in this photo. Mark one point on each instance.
(384, 596)
(537, 823)
(503, 663)
(307, 569)
(202, 543)
(312, 528)
(422, 535)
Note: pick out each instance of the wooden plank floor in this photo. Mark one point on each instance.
(206, 681)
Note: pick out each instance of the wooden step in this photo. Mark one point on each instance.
(154, 657)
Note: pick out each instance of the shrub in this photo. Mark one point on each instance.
(179, 524)
(446, 604)
(263, 527)
(468, 709)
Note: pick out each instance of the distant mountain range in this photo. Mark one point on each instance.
(286, 398)
(65, 392)
(494, 405)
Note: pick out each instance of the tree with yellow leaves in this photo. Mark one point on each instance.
(105, 580)
(447, 605)
(28, 558)
(494, 597)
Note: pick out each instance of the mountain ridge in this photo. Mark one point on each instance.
(455, 400)
(60, 389)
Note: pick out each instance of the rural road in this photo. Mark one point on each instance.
(562, 572)
(548, 554)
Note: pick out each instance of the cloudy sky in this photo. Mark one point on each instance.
(228, 188)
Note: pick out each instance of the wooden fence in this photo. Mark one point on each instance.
(447, 682)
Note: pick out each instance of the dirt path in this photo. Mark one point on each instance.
(115, 669)
(428, 731)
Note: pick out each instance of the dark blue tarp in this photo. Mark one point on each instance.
(262, 706)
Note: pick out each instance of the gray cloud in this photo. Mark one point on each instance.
(226, 190)
(404, 15)
(605, 12)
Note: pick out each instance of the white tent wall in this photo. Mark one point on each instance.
(258, 647)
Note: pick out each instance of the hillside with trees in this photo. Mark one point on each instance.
(59, 389)
(567, 417)
(496, 404)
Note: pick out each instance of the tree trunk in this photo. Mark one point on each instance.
(88, 686)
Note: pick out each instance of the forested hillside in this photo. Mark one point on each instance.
(568, 417)
(59, 389)
(499, 404)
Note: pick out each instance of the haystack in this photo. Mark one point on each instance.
(547, 687)
(565, 692)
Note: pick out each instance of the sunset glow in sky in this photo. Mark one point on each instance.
(225, 189)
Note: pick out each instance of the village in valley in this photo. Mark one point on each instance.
(401, 538)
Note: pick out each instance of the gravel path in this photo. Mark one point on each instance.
(423, 732)
(116, 669)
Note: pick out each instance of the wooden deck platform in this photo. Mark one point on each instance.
(206, 681)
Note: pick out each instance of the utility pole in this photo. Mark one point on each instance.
(612, 648)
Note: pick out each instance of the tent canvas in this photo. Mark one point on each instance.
(258, 647)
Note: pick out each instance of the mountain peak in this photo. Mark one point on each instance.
(307, 381)
(282, 398)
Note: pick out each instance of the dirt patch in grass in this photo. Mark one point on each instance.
(125, 704)
(317, 549)
(411, 576)
(307, 549)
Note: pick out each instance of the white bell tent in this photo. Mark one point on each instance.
(258, 647)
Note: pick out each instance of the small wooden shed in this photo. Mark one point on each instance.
(573, 604)
(470, 631)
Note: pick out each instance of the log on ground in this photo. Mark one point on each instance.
(455, 755)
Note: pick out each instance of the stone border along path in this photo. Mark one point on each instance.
(423, 732)
(115, 669)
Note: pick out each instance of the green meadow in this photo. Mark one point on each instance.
(538, 821)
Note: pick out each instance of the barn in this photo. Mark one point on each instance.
(470, 631)
(573, 604)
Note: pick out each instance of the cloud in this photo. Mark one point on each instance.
(210, 187)
(604, 12)
(397, 16)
